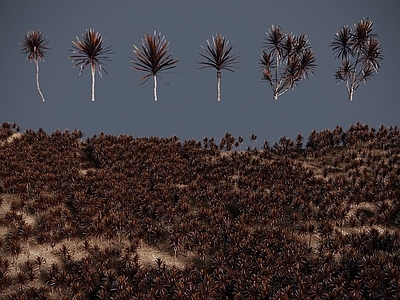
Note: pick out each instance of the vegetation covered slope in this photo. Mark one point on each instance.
(118, 217)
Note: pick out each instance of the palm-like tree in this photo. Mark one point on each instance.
(34, 44)
(153, 58)
(89, 50)
(287, 60)
(218, 56)
(360, 51)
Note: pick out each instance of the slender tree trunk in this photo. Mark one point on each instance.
(219, 85)
(351, 92)
(37, 79)
(155, 87)
(93, 74)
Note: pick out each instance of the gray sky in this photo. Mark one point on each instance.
(187, 107)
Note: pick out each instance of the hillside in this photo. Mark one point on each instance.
(118, 217)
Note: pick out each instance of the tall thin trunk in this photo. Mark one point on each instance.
(351, 92)
(93, 74)
(155, 87)
(219, 85)
(37, 79)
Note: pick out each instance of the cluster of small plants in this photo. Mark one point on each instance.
(299, 219)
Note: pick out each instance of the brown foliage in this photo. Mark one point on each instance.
(285, 221)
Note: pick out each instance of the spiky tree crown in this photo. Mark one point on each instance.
(218, 54)
(153, 56)
(89, 50)
(34, 44)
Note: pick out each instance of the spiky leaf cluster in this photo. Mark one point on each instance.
(89, 50)
(218, 54)
(153, 56)
(34, 44)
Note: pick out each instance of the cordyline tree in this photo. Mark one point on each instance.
(153, 58)
(360, 52)
(89, 50)
(286, 61)
(218, 57)
(34, 44)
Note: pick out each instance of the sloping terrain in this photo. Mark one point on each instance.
(118, 217)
